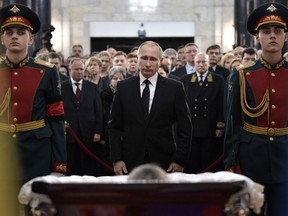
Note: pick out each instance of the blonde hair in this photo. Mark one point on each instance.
(104, 53)
(226, 57)
(233, 61)
(92, 59)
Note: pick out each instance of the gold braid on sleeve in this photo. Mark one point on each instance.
(252, 111)
(5, 103)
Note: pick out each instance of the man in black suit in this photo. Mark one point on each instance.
(55, 59)
(249, 55)
(138, 136)
(214, 53)
(83, 113)
(190, 50)
(205, 98)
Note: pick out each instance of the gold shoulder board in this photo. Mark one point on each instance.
(247, 65)
(45, 63)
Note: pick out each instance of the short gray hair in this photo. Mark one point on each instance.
(150, 43)
(170, 51)
(116, 69)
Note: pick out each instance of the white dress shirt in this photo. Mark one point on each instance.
(152, 86)
(74, 86)
(203, 76)
(190, 69)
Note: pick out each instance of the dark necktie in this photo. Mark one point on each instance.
(78, 92)
(201, 80)
(146, 98)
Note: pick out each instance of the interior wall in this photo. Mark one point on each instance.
(212, 20)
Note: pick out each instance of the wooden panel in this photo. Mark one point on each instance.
(139, 199)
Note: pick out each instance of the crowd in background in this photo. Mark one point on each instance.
(107, 67)
(174, 108)
(98, 63)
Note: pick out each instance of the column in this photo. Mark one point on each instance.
(242, 36)
(43, 9)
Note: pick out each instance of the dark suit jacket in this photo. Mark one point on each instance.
(131, 135)
(180, 72)
(171, 76)
(224, 72)
(86, 118)
(63, 78)
(206, 103)
(103, 83)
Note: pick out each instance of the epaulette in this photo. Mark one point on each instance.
(193, 77)
(45, 63)
(247, 65)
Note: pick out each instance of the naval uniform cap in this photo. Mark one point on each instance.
(19, 15)
(268, 14)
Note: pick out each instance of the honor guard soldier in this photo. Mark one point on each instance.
(31, 109)
(256, 138)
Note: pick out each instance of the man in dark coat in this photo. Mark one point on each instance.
(214, 53)
(204, 91)
(83, 113)
(55, 59)
(190, 50)
(256, 130)
(137, 137)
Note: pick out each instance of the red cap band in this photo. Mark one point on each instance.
(271, 18)
(16, 20)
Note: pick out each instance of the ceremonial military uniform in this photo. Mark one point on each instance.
(256, 129)
(256, 137)
(205, 100)
(31, 109)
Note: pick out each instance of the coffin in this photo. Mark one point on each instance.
(136, 199)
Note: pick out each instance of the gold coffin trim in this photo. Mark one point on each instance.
(265, 130)
(22, 127)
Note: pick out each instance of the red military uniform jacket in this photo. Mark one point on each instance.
(31, 115)
(257, 121)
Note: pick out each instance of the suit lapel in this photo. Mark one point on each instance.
(136, 95)
(70, 90)
(83, 90)
(68, 94)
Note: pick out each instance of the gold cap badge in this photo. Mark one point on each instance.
(15, 9)
(272, 8)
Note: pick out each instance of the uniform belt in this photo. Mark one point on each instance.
(22, 127)
(265, 130)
